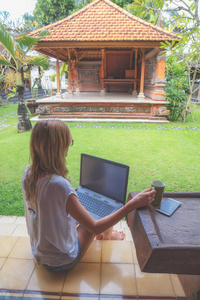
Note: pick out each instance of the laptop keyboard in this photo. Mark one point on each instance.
(95, 206)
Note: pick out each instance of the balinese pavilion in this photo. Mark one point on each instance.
(116, 68)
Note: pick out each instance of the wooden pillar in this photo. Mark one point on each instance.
(141, 94)
(103, 68)
(134, 93)
(70, 73)
(77, 83)
(58, 94)
(130, 68)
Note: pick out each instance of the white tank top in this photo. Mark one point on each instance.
(52, 231)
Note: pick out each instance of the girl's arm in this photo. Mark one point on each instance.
(82, 216)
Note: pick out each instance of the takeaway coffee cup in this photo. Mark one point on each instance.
(159, 187)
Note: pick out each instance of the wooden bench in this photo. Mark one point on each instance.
(116, 81)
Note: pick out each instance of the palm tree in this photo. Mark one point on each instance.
(18, 59)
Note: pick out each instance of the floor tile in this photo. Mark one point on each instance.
(118, 279)
(2, 261)
(39, 296)
(20, 230)
(46, 281)
(83, 278)
(117, 226)
(81, 297)
(7, 229)
(8, 219)
(16, 269)
(153, 284)
(93, 254)
(22, 249)
(20, 220)
(124, 224)
(117, 298)
(128, 235)
(117, 252)
(135, 260)
(7, 243)
(179, 292)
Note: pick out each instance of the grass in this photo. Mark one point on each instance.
(169, 155)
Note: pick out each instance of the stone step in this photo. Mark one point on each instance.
(105, 115)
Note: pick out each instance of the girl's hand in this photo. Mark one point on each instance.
(142, 199)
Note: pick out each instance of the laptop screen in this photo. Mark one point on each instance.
(105, 177)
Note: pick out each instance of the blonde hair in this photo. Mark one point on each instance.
(48, 145)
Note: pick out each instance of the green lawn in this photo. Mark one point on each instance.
(164, 154)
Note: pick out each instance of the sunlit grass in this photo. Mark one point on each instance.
(165, 154)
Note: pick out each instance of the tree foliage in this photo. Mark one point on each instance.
(146, 10)
(176, 87)
(19, 26)
(17, 57)
(49, 11)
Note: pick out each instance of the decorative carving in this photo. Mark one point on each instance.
(42, 109)
(161, 81)
(130, 109)
(160, 111)
(150, 70)
(88, 73)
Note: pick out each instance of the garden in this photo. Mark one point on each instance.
(168, 152)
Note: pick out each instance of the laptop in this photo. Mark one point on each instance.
(103, 185)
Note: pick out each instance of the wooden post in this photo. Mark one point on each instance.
(131, 67)
(58, 94)
(135, 75)
(103, 67)
(70, 73)
(77, 83)
(141, 94)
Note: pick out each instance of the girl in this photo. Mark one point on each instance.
(52, 207)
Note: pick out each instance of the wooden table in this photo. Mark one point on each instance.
(168, 244)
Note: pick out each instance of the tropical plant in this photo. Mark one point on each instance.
(17, 58)
(145, 9)
(2, 85)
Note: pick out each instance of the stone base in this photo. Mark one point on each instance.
(59, 95)
(134, 93)
(141, 96)
(118, 110)
(102, 92)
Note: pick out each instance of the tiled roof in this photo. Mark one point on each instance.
(103, 20)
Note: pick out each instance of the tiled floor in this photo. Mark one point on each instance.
(109, 270)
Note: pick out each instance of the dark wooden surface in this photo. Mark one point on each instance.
(120, 81)
(168, 244)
